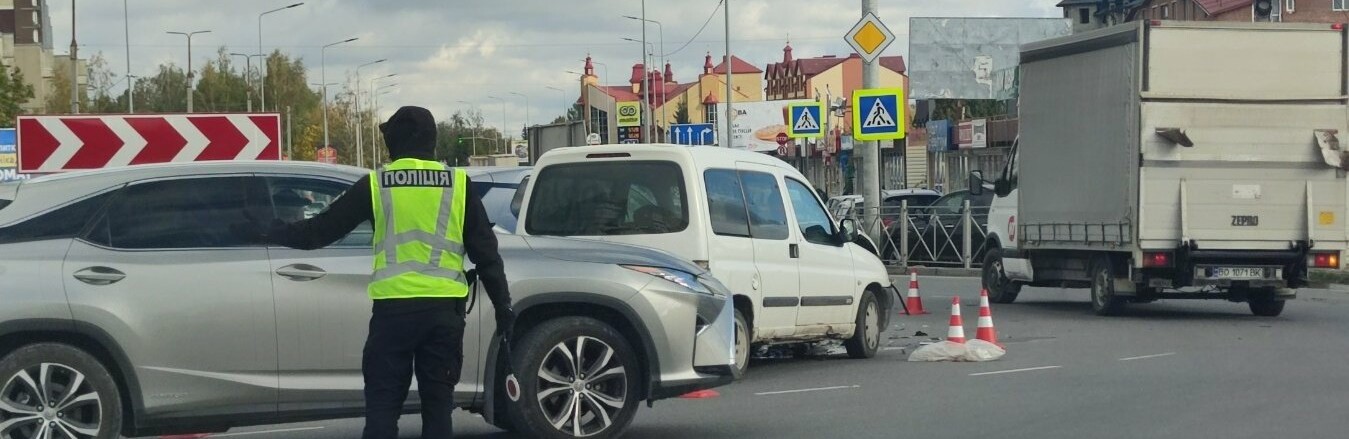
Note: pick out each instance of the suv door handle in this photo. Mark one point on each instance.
(301, 272)
(794, 251)
(99, 275)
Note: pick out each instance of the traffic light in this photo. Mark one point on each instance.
(459, 141)
(1263, 9)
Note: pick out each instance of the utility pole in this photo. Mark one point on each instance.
(646, 83)
(726, 11)
(75, 66)
(130, 82)
(870, 178)
(360, 151)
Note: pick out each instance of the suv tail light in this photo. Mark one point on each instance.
(1156, 259)
(1324, 260)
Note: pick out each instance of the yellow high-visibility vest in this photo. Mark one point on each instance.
(419, 230)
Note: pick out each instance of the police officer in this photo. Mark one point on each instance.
(426, 219)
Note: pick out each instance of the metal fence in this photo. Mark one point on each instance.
(928, 235)
(828, 174)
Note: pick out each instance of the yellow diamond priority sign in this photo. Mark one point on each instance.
(869, 37)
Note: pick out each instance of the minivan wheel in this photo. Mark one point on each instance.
(57, 391)
(578, 378)
(866, 340)
(742, 344)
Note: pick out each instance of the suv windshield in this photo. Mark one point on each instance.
(598, 199)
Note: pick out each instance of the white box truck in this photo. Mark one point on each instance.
(1170, 159)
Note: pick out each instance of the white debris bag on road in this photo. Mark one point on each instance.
(972, 351)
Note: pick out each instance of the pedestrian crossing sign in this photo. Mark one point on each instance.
(878, 114)
(804, 120)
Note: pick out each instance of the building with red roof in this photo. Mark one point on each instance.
(666, 97)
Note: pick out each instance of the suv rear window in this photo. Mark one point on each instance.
(63, 222)
(612, 198)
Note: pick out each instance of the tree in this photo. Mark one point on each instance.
(682, 112)
(165, 92)
(13, 93)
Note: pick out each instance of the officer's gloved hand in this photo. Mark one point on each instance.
(506, 321)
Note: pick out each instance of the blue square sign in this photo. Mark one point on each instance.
(803, 120)
(693, 134)
(878, 114)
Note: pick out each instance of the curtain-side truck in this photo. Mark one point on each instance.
(1186, 160)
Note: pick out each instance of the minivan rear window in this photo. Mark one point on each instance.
(609, 198)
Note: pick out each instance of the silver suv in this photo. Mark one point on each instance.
(129, 307)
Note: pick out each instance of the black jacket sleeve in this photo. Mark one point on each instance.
(349, 210)
(480, 241)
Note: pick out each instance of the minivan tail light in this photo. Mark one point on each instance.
(1324, 260)
(1156, 259)
(608, 155)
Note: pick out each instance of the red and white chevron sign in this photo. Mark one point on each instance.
(72, 142)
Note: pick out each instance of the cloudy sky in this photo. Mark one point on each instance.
(445, 51)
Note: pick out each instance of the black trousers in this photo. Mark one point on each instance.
(425, 336)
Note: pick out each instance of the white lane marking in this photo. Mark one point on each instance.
(1141, 357)
(284, 430)
(1028, 369)
(817, 389)
(895, 348)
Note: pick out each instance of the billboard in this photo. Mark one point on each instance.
(629, 114)
(972, 58)
(756, 125)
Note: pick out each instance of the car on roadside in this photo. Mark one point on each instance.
(131, 306)
(751, 219)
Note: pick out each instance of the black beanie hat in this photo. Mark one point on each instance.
(411, 131)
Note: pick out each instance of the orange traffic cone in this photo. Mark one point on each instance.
(914, 304)
(957, 332)
(985, 330)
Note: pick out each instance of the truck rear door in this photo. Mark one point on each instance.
(1250, 102)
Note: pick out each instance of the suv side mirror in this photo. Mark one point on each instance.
(848, 227)
(976, 182)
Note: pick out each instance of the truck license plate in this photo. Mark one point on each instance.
(1245, 220)
(1236, 273)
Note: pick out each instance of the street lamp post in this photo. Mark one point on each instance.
(647, 49)
(473, 130)
(190, 74)
(360, 148)
(262, 68)
(323, 77)
(130, 94)
(376, 93)
(526, 107)
(248, 69)
(661, 31)
(126, 28)
(374, 119)
(562, 94)
(502, 141)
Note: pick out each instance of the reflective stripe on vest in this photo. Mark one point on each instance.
(416, 254)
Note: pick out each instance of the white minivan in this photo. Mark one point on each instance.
(752, 219)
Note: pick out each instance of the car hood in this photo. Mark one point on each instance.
(586, 250)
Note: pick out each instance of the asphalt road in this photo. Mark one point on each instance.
(1169, 369)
